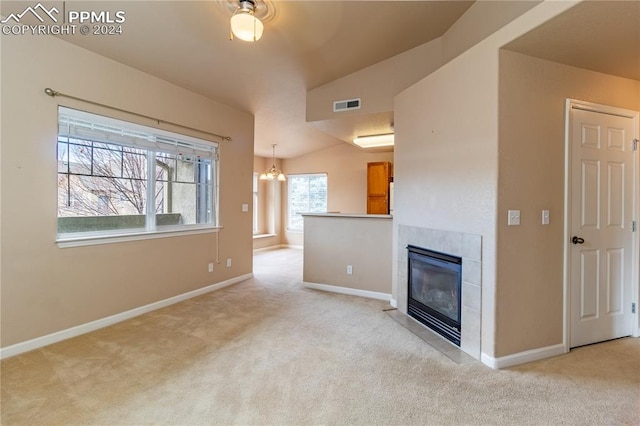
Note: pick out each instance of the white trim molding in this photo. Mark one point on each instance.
(58, 336)
(277, 247)
(350, 291)
(71, 241)
(269, 248)
(261, 236)
(523, 357)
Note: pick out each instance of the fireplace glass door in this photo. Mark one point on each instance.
(435, 281)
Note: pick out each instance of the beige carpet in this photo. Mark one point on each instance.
(269, 352)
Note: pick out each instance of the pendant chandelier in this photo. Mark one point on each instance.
(273, 173)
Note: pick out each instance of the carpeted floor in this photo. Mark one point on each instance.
(270, 352)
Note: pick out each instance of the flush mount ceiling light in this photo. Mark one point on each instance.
(273, 173)
(374, 141)
(245, 25)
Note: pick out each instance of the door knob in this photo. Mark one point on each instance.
(577, 240)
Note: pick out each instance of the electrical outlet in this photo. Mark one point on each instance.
(349, 270)
(229, 263)
(211, 267)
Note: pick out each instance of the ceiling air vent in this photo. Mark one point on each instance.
(347, 105)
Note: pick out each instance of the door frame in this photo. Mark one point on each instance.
(635, 273)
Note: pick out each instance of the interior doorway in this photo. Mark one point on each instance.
(601, 214)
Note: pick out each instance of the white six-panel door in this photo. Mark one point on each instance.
(601, 240)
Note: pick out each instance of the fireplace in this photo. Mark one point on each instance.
(434, 291)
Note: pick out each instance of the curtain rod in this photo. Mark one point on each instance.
(54, 93)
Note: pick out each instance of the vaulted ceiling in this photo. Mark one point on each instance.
(310, 43)
(305, 44)
(601, 36)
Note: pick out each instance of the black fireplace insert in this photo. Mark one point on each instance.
(435, 284)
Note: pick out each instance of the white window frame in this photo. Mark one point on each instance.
(97, 128)
(290, 214)
(256, 216)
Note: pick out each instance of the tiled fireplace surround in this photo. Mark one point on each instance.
(466, 246)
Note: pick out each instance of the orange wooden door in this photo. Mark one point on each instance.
(378, 178)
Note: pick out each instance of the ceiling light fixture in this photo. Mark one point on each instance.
(273, 173)
(244, 24)
(375, 141)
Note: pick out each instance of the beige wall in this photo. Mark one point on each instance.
(331, 243)
(346, 168)
(446, 154)
(531, 178)
(47, 289)
(375, 85)
(446, 159)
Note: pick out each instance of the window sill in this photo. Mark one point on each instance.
(68, 241)
(259, 236)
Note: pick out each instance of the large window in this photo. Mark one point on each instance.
(307, 194)
(116, 177)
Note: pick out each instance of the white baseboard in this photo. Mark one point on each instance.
(278, 246)
(259, 250)
(393, 302)
(58, 336)
(291, 246)
(349, 291)
(523, 357)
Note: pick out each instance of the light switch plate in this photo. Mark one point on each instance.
(514, 217)
(545, 217)
(245, 207)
